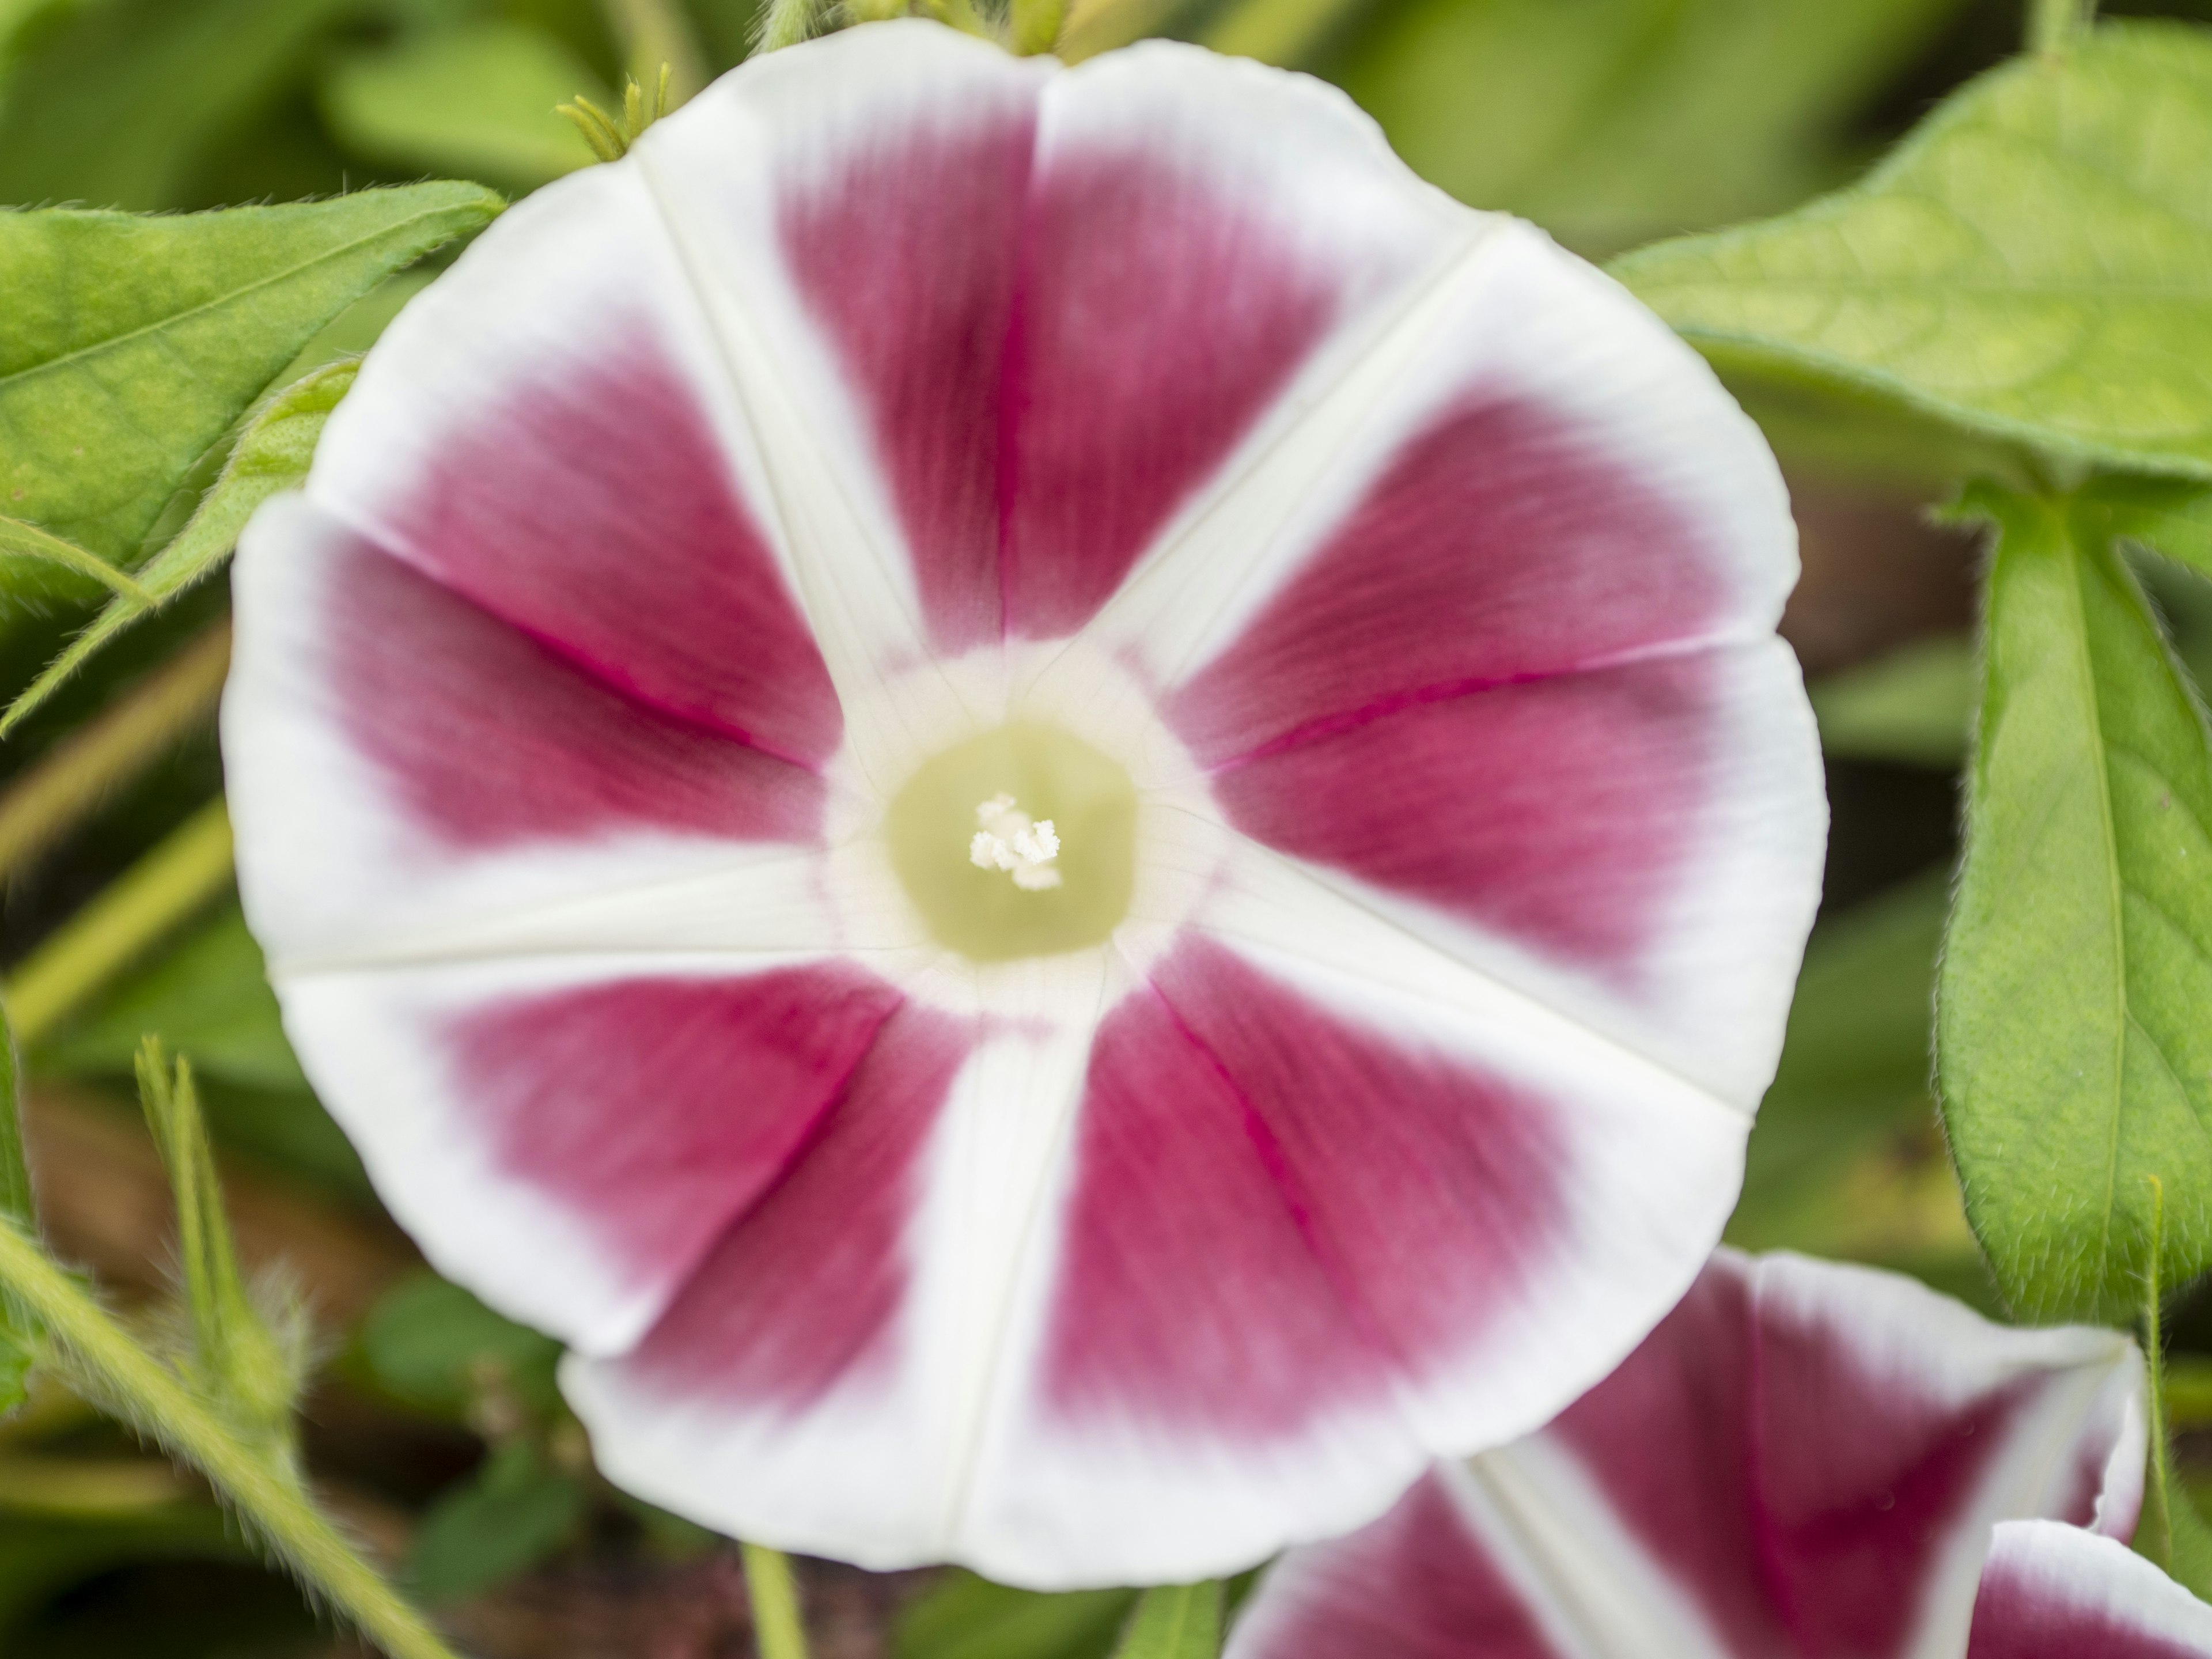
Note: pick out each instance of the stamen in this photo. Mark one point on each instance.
(1009, 839)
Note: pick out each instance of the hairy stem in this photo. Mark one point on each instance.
(18, 537)
(785, 23)
(161, 890)
(2052, 23)
(264, 1491)
(54, 795)
(777, 1631)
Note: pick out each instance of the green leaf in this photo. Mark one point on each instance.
(43, 1557)
(271, 454)
(1846, 1157)
(476, 100)
(2173, 1533)
(209, 996)
(1174, 1621)
(514, 1514)
(1915, 705)
(129, 346)
(2166, 515)
(2034, 263)
(121, 103)
(1612, 121)
(19, 1329)
(2075, 1061)
(965, 1617)
(432, 1344)
(1855, 1061)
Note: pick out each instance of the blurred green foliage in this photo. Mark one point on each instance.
(436, 1346)
(965, 1617)
(2034, 264)
(1610, 122)
(472, 100)
(512, 1515)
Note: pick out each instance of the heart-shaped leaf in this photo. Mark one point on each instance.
(2074, 1059)
(2034, 263)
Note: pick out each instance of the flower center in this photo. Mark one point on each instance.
(1019, 843)
(1007, 838)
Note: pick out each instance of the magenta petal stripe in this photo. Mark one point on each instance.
(1570, 802)
(1499, 546)
(1463, 650)
(1802, 1461)
(907, 249)
(492, 739)
(658, 1111)
(1230, 1120)
(1175, 1165)
(2055, 1592)
(1416, 1584)
(1156, 319)
(611, 465)
(1060, 323)
(802, 1294)
(526, 448)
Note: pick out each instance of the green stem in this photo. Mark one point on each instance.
(27, 540)
(1035, 25)
(148, 899)
(264, 1491)
(2052, 23)
(62, 788)
(777, 1631)
(785, 23)
(654, 34)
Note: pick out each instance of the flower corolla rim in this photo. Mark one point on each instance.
(1396, 598)
(1805, 1458)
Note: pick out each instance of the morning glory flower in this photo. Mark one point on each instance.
(2052, 1591)
(1070, 819)
(1805, 1459)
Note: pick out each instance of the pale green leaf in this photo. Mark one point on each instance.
(208, 997)
(2034, 263)
(512, 1515)
(965, 1617)
(1174, 1621)
(477, 101)
(1612, 121)
(1856, 1064)
(121, 103)
(1846, 1159)
(2075, 1060)
(2166, 515)
(271, 454)
(129, 346)
(432, 1344)
(1914, 705)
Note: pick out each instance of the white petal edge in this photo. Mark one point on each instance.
(2050, 1563)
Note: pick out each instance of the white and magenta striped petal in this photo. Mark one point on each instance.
(898, 392)
(1804, 1460)
(2051, 1591)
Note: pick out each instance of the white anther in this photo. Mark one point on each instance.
(1010, 839)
